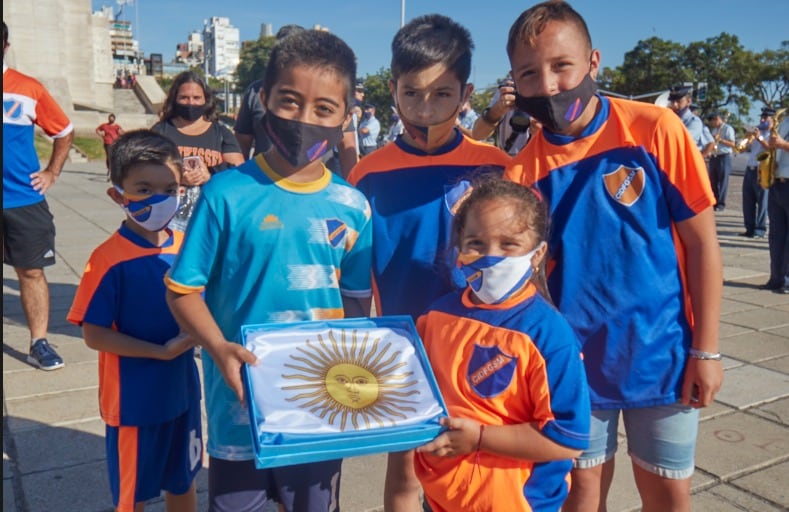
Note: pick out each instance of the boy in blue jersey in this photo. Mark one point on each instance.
(636, 268)
(414, 183)
(280, 238)
(149, 389)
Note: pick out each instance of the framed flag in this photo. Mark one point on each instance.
(331, 389)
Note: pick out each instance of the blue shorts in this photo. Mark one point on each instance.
(660, 439)
(238, 485)
(143, 461)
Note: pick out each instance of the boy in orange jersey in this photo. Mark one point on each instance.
(149, 389)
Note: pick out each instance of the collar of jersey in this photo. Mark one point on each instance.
(446, 148)
(293, 186)
(136, 239)
(597, 122)
(524, 294)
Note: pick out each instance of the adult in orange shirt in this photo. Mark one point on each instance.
(109, 131)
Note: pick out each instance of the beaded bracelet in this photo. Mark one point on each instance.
(704, 356)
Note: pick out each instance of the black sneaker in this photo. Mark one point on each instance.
(44, 356)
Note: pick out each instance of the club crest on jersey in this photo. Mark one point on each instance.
(269, 222)
(454, 195)
(12, 109)
(490, 370)
(626, 184)
(337, 231)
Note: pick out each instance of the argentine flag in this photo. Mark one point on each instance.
(329, 389)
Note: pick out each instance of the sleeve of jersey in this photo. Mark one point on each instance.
(192, 267)
(229, 142)
(569, 395)
(355, 273)
(50, 117)
(688, 191)
(96, 297)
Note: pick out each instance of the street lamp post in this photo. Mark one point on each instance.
(402, 13)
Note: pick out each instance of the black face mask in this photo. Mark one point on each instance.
(189, 112)
(300, 143)
(557, 112)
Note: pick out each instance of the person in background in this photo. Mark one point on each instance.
(396, 128)
(109, 132)
(28, 228)
(369, 128)
(754, 197)
(720, 159)
(680, 100)
(778, 211)
(149, 388)
(508, 125)
(191, 120)
(248, 128)
(619, 177)
(466, 119)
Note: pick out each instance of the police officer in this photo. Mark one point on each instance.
(680, 100)
(754, 197)
(720, 162)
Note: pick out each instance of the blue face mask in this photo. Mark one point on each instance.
(494, 279)
(152, 212)
(764, 125)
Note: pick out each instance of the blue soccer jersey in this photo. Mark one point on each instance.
(617, 269)
(122, 289)
(413, 196)
(266, 249)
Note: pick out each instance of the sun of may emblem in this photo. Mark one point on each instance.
(348, 378)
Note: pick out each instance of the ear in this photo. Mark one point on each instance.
(262, 95)
(393, 90)
(594, 63)
(116, 196)
(542, 250)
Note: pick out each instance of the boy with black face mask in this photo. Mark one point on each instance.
(636, 266)
(280, 238)
(415, 182)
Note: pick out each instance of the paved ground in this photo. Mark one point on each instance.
(53, 442)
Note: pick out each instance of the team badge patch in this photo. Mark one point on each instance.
(490, 370)
(626, 184)
(12, 109)
(337, 231)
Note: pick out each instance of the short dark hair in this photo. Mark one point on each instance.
(429, 40)
(141, 147)
(533, 20)
(531, 208)
(5, 34)
(312, 48)
(185, 77)
(286, 30)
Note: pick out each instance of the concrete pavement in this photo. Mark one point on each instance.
(53, 437)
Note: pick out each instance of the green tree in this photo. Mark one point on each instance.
(376, 90)
(765, 77)
(253, 61)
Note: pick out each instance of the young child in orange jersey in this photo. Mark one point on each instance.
(508, 366)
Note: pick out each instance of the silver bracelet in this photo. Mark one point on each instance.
(704, 356)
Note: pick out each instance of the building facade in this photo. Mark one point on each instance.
(222, 47)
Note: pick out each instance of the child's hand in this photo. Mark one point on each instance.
(229, 359)
(177, 346)
(195, 171)
(461, 438)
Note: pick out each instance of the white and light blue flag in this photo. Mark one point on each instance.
(328, 389)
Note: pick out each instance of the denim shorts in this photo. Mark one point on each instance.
(660, 439)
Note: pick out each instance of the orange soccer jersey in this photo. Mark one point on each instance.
(504, 364)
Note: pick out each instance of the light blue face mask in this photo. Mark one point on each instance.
(494, 279)
(151, 212)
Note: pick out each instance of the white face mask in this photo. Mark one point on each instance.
(152, 212)
(494, 279)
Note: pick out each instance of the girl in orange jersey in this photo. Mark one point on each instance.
(509, 368)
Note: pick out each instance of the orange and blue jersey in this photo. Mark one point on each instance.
(413, 196)
(26, 103)
(616, 193)
(122, 288)
(504, 364)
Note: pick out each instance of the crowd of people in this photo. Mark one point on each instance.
(525, 264)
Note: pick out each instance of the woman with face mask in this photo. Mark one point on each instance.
(190, 118)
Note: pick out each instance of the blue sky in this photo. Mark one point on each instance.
(368, 26)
